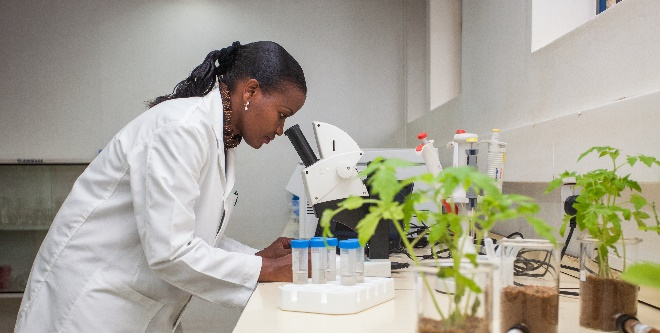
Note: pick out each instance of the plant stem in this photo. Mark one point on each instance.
(411, 250)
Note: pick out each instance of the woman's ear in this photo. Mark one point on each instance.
(251, 87)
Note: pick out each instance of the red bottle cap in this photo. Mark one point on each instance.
(460, 131)
(421, 135)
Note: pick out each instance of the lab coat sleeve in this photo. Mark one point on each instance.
(231, 245)
(165, 172)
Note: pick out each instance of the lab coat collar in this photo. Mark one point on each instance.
(213, 101)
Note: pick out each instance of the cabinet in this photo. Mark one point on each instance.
(30, 196)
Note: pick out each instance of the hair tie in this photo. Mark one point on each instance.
(225, 58)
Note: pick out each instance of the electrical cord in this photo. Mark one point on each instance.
(570, 210)
(523, 266)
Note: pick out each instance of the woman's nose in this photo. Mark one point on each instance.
(280, 129)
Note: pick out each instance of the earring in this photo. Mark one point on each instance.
(246, 105)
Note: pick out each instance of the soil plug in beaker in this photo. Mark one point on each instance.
(529, 292)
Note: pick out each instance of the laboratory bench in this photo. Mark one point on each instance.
(397, 315)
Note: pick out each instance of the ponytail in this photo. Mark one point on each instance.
(203, 77)
(267, 62)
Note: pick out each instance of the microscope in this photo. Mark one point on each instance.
(333, 177)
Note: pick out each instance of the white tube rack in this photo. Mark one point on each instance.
(333, 298)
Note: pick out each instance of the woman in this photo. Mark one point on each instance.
(142, 229)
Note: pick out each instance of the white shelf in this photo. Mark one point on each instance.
(11, 294)
(27, 227)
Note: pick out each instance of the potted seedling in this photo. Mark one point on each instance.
(608, 198)
(455, 290)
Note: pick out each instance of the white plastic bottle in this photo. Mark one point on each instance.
(347, 253)
(319, 260)
(300, 257)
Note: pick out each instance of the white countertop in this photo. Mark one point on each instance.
(398, 315)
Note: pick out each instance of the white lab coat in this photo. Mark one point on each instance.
(138, 234)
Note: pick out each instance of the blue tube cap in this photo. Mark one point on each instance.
(349, 244)
(299, 244)
(316, 242)
(332, 241)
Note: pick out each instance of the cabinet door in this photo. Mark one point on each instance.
(30, 196)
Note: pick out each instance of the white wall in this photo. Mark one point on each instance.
(553, 19)
(73, 73)
(445, 23)
(597, 85)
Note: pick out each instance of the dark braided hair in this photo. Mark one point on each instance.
(267, 62)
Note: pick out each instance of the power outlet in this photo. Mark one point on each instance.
(568, 189)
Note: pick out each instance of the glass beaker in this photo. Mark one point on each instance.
(603, 295)
(454, 300)
(529, 285)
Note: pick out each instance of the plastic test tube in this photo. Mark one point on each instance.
(347, 250)
(319, 260)
(299, 255)
(331, 273)
(359, 263)
(331, 245)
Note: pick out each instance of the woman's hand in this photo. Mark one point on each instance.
(280, 247)
(276, 270)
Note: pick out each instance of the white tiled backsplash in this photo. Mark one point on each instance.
(552, 212)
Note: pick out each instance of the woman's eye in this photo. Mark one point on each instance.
(282, 115)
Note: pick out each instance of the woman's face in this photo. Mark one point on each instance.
(266, 113)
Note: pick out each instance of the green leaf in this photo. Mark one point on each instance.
(467, 282)
(638, 201)
(565, 222)
(644, 274)
(542, 229)
(367, 226)
(446, 272)
(475, 307)
(640, 215)
(352, 202)
(648, 160)
(586, 153)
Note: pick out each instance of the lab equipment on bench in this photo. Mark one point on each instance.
(430, 154)
(336, 297)
(471, 154)
(348, 249)
(629, 324)
(333, 178)
(299, 263)
(319, 260)
(359, 263)
(327, 181)
(333, 298)
(460, 145)
(331, 273)
(496, 158)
